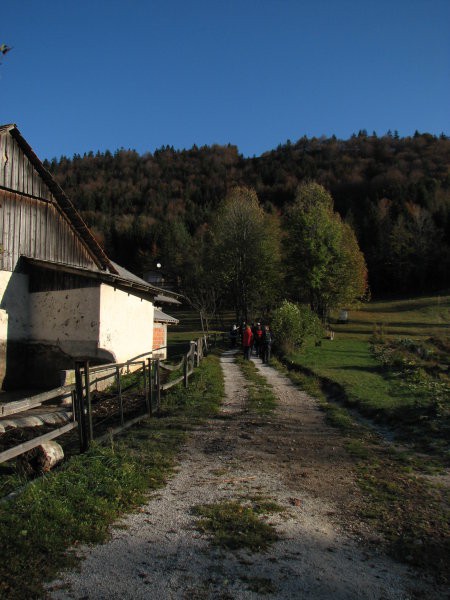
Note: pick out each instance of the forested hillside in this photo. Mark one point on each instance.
(395, 192)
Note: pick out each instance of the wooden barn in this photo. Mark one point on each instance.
(61, 297)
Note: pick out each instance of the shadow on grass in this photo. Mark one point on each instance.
(378, 369)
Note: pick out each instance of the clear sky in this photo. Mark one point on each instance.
(103, 74)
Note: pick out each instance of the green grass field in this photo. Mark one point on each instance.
(391, 361)
(416, 317)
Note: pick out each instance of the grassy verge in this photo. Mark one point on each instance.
(400, 502)
(260, 400)
(77, 503)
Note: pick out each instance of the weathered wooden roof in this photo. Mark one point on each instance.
(162, 317)
(62, 202)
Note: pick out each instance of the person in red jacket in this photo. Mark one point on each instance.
(247, 341)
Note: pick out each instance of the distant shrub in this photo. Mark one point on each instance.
(293, 324)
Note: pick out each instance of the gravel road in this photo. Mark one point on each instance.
(292, 458)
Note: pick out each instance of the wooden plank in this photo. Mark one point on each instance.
(7, 236)
(2, 159)
(17, 157)
(12, 154)
(21, 172)
(172, 367)
(42, 227)
(20, 240)
(16, 233)
(8, 156)
(28, 183)
(11, 408)
(26, 446)
(33, 227)
(171, 384)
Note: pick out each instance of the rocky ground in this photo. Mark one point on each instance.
(291, 457)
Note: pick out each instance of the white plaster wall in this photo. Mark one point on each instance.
(66, 318)
(126, 323)
(14, 306)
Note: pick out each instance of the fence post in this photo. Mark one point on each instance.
(185, 371)
(192, 356)
(79, 397)
(144, 372)
(150, 382)
(74, 406)
(87, 383)
(158, 385)
(199, 351)
(119, 392)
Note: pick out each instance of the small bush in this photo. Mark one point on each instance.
(293, 324)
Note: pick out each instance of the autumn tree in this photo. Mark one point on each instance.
(324, 264)
(246, 250)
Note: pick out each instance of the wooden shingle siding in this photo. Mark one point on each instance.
(17, 173)
(36, 228)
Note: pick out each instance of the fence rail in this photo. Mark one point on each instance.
(102, 414)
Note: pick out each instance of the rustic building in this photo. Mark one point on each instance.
(61, 297)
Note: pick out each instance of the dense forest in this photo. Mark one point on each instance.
(394, 192)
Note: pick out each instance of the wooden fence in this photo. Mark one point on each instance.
(150, 376)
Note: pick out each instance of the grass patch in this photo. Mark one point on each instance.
(259, 585)
(412, 514)
(264, 506)
(77, 503)
(261, 399)
(235, 526)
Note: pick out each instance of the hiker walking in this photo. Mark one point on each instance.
(247, 342)
(267, 340)
(257, 339)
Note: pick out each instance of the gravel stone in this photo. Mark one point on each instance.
(292, 458)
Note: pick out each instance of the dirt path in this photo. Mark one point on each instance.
(293, 458)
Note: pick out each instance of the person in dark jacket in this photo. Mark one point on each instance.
(267, 340)
(247, 342)
(257, 338)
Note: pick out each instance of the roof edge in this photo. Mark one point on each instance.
(102, 276)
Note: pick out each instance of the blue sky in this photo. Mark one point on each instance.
(97, 74)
